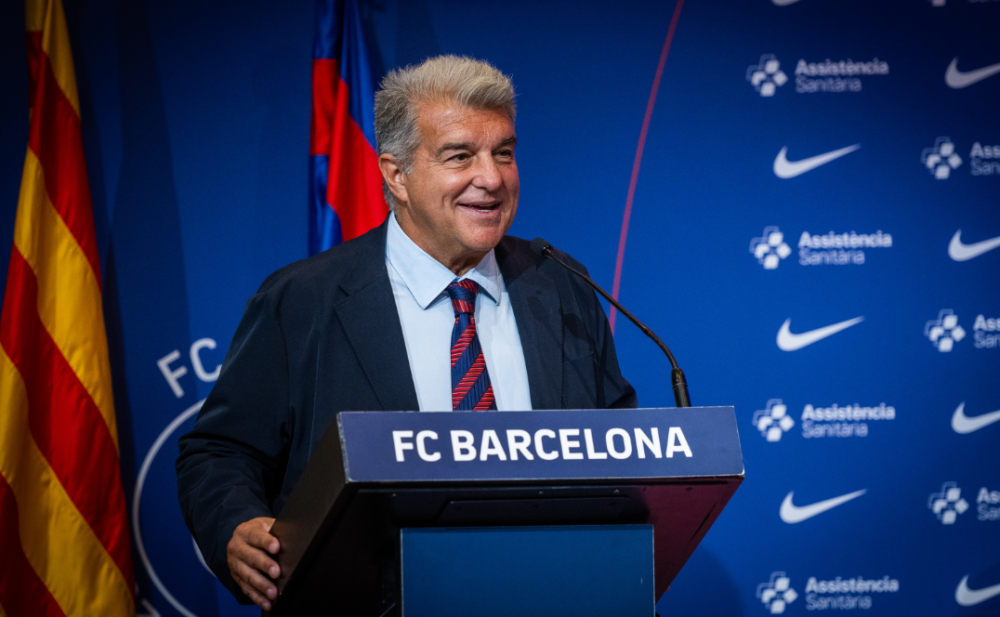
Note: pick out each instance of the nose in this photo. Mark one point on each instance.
(488, 176)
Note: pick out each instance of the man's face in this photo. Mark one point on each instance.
(461, 197)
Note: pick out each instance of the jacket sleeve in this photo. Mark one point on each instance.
(615, 391)
(231, 464)
(612, 389)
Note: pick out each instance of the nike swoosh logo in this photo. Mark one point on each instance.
(783, 168)
(792, 342)
(957, 79)
(972, 597)
(791, 513)
(963, 424)
(964, 252)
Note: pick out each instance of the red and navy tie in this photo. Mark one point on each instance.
(470, 381)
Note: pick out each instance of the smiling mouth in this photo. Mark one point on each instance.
(482, 207)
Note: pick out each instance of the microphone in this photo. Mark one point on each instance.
(543, 249)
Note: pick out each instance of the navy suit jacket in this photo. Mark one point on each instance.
(322, 336)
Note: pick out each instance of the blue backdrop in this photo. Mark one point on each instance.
(806, 164)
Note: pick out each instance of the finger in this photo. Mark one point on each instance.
(257, 599)
(241, 552)
(248, 589)
(259, 535)
(247, 537)
(261, 561)
(250, 577)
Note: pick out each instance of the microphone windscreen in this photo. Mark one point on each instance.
(538, 247)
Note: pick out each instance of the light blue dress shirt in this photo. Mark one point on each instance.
(418, 284)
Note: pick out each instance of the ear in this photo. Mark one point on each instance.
(393, 175)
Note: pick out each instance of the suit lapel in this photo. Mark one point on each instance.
(371, 324)
(537, 311)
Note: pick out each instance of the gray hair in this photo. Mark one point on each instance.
(469, 82)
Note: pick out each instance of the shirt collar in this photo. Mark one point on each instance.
(427, 278)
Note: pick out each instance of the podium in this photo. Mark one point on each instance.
(409, 514)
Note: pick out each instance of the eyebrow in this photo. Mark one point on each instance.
(467, 145)
(510, 141)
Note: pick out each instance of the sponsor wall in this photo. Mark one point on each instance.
(812, 225)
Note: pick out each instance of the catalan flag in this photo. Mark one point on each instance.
(64, 537)
(345, 191)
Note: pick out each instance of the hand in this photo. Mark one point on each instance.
(249, 562)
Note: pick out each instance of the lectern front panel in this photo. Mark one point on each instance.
(544, 571)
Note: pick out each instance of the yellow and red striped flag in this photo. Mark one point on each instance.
(64, 536)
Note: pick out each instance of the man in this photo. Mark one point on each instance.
(372, 324)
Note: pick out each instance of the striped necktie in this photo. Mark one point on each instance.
(470, 381)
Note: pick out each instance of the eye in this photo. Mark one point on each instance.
(458, 158)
